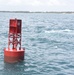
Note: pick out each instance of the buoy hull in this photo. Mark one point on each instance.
(13, 56)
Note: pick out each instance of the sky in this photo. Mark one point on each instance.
(37, 5)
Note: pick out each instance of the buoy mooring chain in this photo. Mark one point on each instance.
(14, 52)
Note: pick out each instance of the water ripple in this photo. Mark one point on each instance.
(49, 44)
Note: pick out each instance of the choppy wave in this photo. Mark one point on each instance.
(60, 31)
(47, 52)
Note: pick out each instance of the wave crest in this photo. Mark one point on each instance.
(59, 31)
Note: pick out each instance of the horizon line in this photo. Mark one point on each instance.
(38, 11)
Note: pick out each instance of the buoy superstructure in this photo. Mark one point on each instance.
(14, 52)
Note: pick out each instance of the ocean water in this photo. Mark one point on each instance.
(48, 40)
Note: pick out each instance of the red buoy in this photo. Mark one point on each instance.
(14, 52)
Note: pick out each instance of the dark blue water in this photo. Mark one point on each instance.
(48, 40)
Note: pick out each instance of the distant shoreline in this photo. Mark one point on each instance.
(36, 12)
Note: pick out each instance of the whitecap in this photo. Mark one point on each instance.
(51, 31)
(67, 30)
(59, 31)
(56, 47)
